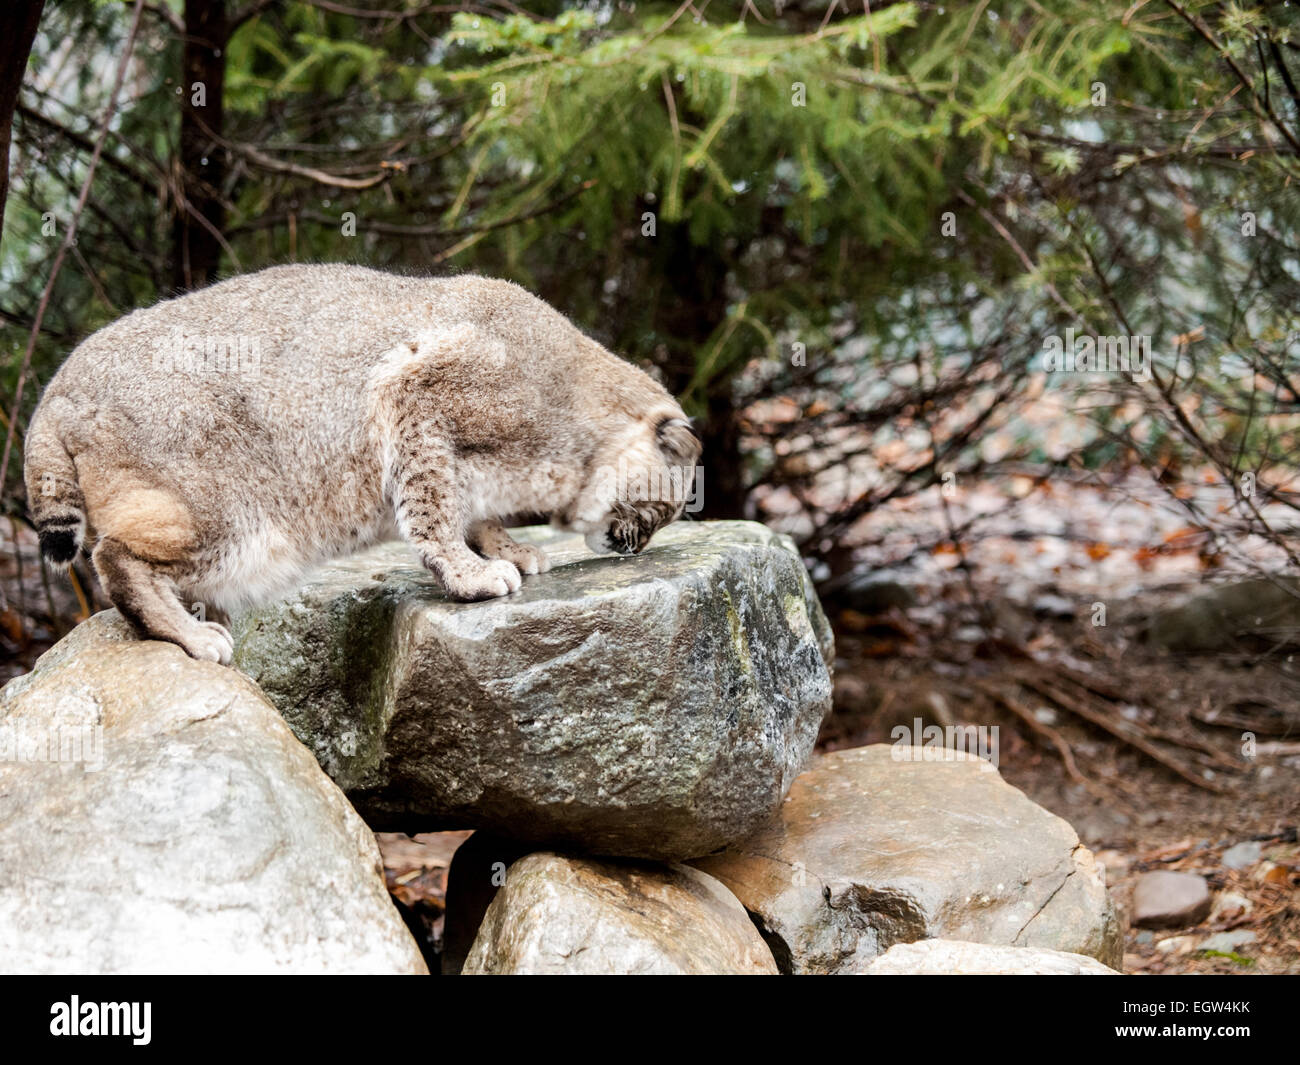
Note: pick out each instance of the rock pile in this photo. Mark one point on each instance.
(870, 850)
(629, 737)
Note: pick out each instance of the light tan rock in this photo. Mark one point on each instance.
(951, 957)
(191, 834)
(869, 851)
(582, 916)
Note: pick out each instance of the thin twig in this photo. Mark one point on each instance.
(1050, 734)
(1079, 707)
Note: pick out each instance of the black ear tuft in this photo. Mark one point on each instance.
(678, 442)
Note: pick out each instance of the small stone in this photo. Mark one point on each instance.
(1229, 942)
(1165, 899)
(1177, 945)
(1243, 855)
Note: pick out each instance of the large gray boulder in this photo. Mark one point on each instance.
(870, 850)
(658, 706)
(560, 915)
(180, 829)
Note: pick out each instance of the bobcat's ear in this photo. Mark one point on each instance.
(677, 441)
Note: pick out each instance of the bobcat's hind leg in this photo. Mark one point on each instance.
(490, 539)
(146, 598)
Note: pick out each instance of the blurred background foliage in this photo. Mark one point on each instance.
(839, 231)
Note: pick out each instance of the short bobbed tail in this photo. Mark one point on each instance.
(54, 496)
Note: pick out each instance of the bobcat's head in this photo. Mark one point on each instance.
(646, 486)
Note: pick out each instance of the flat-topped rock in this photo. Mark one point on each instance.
(159, 817)
(656, 706)
(871, 850)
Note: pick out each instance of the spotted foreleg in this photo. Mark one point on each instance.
(490, 539)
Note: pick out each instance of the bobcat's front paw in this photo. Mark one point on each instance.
(208, 642)
(525, 557)
(481, 580)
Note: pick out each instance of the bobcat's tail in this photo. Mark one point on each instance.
(53, 494)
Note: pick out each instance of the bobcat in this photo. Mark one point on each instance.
(214, 447)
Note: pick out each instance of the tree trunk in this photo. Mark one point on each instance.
(21, 17)
(686, 316)
(725, 490)
(199, 217)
